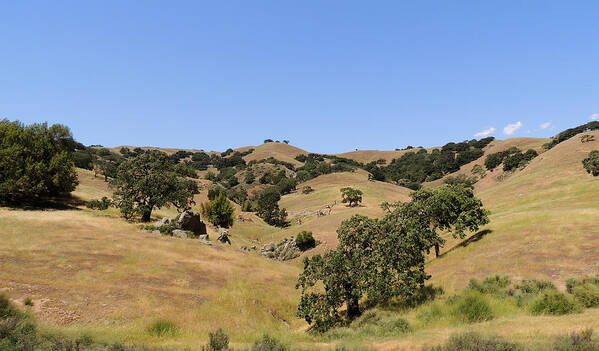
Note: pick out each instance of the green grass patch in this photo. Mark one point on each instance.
(163, 328)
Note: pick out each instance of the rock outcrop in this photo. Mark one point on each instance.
(284, 250)
(191, 221)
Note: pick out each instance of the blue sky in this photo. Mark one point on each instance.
(329, 76)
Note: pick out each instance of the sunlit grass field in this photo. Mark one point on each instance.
(92, 272)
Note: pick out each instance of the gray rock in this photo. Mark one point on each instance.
(157, 232)
(204, 237)
(180, 234)
(224, 236)
(191, 221)
(163, 221)
(284, 250)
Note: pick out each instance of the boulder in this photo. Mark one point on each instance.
(204, 237)
(157, 232)
(191, 221)
(224, 236)
(284, 250)
(180, 234)
(163, 221)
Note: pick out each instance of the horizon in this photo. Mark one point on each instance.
(329, 77)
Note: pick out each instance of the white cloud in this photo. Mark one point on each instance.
(545, 125)
(594, 117)
(484, 133)
(512, 128)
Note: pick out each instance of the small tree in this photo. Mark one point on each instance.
(150, 181)
(452, 208)
(267, 208)
(379, 259)
(351, 196)
(591, 163)
(218, 211)
(305, 241)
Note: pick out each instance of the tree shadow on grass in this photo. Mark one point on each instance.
(474, 238)
(60, 203)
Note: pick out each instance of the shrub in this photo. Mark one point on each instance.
(577, 341)
(473, 308)
(17, 331)
(535, 286)
(305, 241)
(476, 342)
(430, 313)
(163, 328)
(28, 302)
(101, 204)
(268, 343)
(554, 303)
(307, 189)
(587, 294)
(591, 163)
(490, 285)
(218, 211)
(218, 340)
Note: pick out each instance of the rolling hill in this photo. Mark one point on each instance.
(92, 272)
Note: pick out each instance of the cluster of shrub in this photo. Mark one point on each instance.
(568, 133)
(20, 332)
(318, 164)
(512, 158)
(576, 341)
(414, 168)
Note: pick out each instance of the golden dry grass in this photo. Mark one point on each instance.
(92, 271)
(280, 151)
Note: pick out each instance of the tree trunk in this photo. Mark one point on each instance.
(146, 216)
(353, 308)
(437, 250)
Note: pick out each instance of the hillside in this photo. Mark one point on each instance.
(541, 223)
(491, 178)
(542, 226)
(280, 151)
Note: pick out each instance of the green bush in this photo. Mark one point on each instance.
(587, 294)
(495, 284)
(218, 340)
(473, 308)
(591, 163)
(163, 328)
(476, 342)
(554, 303)
(101, 204)
(218, 211)
(28, 302)
(307, 189)
(17, 330)
(268, 343)
(305, 241)
(534, 286)
(36, 161)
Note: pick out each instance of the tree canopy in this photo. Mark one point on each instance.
(36, 161)
(351, 196)
(376, 259)
(150, 181)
